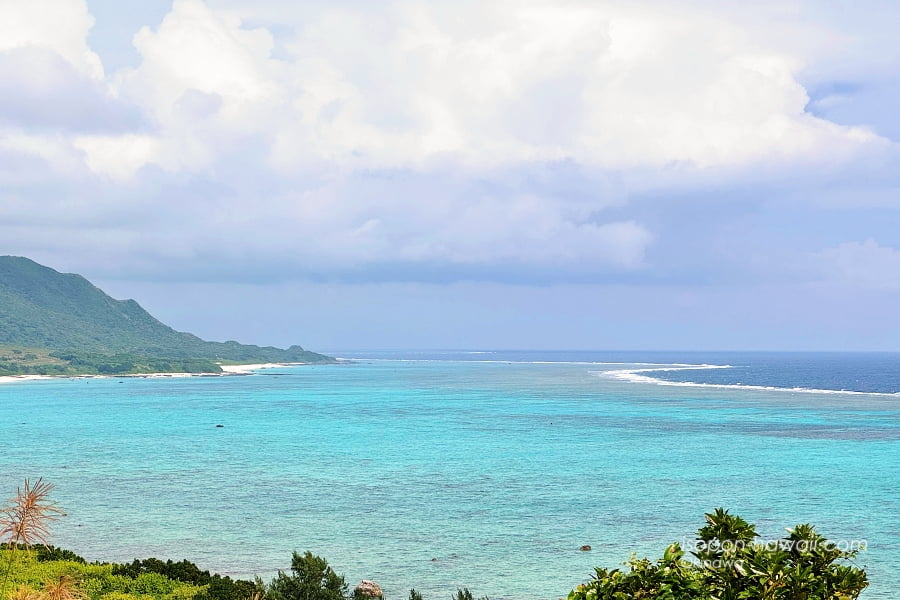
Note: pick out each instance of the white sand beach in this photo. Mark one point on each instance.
(247, 369)
(226, 370)
(15, 378)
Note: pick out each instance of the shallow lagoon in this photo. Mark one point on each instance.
(498, 469)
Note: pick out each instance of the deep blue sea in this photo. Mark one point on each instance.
(481, 469)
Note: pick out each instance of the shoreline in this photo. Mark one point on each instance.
(227, 371)
(250, 368)
(15, 378)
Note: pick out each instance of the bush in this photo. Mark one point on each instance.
(734, 566)
(184, 570)
(118, 596)
(461, 594)
(311, 579)
(225, 588)
(151, 584)
(49, 553)
(217, 587)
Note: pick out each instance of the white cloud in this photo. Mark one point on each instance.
(351, 135)
(613, 85)
(610, 85)
(119, 156)
(605, 84)
(41, 91)
(60, 25)
(196, 49)
(51, 149)
(865, 264)
(53, 84)
(507, 230)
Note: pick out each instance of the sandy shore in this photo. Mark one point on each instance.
(245, 369)
(20, 378)
(226, 370)
(15, 378)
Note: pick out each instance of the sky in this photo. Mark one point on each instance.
(492, 174)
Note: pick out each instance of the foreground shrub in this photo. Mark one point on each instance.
(63, 588)
(224, 588)
(463, 594)
(311, 579)
(25, 592)
(734, 566)
(25, 521)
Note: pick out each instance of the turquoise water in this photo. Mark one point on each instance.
(435, 474)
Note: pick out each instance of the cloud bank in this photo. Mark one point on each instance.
(509, 141)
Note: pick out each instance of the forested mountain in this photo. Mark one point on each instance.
(76, 322)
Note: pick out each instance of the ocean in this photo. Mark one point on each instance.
(489, 470)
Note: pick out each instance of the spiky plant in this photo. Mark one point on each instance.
(64, 588)
(26, 520)
(25, 592)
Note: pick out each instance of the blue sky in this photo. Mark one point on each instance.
(506, 174)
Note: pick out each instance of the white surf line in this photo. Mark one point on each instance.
(523, 362)
(634, 376)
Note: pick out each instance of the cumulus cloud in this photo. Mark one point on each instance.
(435, 141)
(52, 87)
(42, 91)
(58, 25)
(611, 85)
(196, 50)
(375, 227)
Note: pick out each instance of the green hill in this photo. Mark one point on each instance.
(79, 326)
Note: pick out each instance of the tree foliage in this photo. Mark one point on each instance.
(731, 564)
(311, 579)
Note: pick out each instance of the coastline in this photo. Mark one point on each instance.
(15, 378)
(248, 369)
(227, 371)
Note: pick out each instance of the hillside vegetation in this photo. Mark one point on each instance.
(55, 323)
